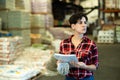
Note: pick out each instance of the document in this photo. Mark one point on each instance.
(66, 58)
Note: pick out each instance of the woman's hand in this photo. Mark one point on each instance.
(78, 64)
(59, 61)
(82, 65)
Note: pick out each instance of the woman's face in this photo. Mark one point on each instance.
(81, 26)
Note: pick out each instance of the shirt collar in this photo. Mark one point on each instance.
(84, 38)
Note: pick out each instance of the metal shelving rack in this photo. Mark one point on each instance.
(103, 10)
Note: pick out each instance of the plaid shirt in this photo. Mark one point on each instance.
(86, 52)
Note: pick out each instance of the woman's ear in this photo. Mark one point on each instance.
(72, 26)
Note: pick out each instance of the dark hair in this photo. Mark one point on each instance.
(75, 17)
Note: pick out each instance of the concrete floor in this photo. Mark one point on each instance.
(109, 62)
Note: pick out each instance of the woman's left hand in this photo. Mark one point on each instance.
(78, 64)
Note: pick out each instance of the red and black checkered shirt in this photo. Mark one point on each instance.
(86, 52)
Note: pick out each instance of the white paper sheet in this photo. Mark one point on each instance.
(66, 58)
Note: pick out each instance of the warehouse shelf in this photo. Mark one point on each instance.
(110, 10)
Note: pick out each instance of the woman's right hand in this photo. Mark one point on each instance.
(59, 61)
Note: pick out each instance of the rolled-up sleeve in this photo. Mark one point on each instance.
(94, 56)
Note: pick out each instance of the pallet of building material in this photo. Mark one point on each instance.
(117, 22)
(42, 20)
(38, 20)
(112, 4)
(117, 35)
(108, 27)
(9, 48)
(106, 36)
(17, 72)
(24, 33)
(49, 21)
(7, 4)
(36, 30)
(117, 28)
(35, 38)
(41, 6)
(20, 32)
(0, 23)
(118, 39)
(7, 57)
(18, 19)
(15, 19)
(6, 62)
(23, 5)
(4, 17)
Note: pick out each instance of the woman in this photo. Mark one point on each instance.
(84, 49)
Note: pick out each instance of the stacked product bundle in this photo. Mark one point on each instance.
(41, 18)
(23, 5)
(37, 58)
(25, 33)
(112, 4)
(33, 57)
(18, 24)
(49, 20)
(7, 4)
(105, 36)
(118, 33)
(4, 17)
(117, 30)
(39, 22)
(17, 72)
(35, 38)
(41, 6)
(10, 48)
(18, 19)
(0, 23)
